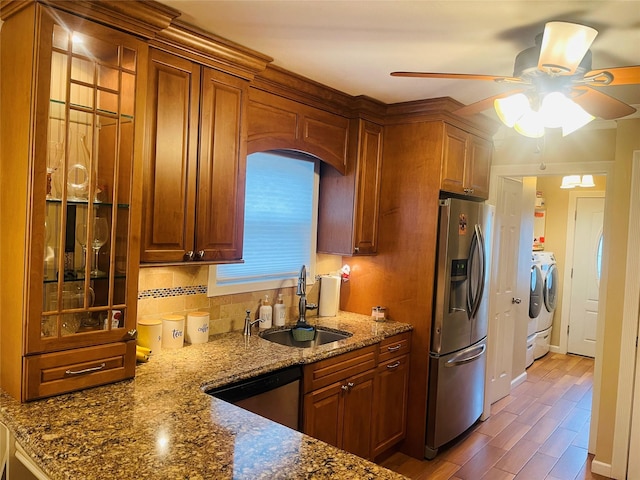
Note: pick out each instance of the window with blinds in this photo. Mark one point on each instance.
(280, 221)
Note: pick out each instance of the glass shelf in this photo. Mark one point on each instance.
(79, 277)
(86, 202)
(106, 117)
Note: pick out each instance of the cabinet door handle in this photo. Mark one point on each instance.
(395, 348)
(200, 255)
(188, 255)
(351, 384)
(344, 388)
(86, 370)
(396, 364)
(356, 249)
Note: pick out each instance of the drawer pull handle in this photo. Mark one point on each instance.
(395, 348)
(396, 364)
(86, 370)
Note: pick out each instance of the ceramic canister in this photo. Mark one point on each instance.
(197, 330)
(150, 334)
(172, 331)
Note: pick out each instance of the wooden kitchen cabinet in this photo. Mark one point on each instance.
(391, 393)
(195, 161)
(466, 163)
(70, 201)
(338, 401)
(279, 123)
(348, 204)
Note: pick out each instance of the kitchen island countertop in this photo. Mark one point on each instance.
(162, 425)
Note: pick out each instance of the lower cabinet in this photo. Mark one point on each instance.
(341, 413)
(358, 401)
(391, 389)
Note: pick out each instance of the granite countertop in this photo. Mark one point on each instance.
(162, 425)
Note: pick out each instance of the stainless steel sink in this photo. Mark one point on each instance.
(285, 337)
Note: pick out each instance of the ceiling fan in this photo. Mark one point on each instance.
(554, 85)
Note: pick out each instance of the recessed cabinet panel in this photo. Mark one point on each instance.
(477, 175)
(279, 123)
(349, 203)
(170, 159)
(453, 159)
(222, 167)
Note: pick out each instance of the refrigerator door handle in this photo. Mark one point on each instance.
(462, 357)
(477, 245)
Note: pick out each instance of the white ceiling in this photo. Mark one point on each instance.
(353, 45)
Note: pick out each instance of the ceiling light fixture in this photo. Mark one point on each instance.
(572, 181)
(556, 111)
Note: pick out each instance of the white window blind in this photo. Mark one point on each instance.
(279, 229)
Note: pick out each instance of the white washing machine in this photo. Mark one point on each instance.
(536, 300)
(549, 271)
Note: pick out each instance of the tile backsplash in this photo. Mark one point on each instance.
(183, 289)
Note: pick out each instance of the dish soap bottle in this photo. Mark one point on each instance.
(266, 313)
(279, 312)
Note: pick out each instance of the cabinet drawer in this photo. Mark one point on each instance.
(394, 346)
(326, 372)
(59, 372)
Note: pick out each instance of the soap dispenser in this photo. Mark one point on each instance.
(266, 312)
(279, 312)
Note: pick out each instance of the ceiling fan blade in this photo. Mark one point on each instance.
(485, 104)
(563, 47)
(600, 104)
(458, 76)
(613, 76)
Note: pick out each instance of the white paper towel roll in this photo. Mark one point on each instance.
(329, 296)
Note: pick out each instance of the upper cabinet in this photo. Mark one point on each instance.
(70, 188)
(280, 123)
(466, 163)
(348, 204)
(194, 163)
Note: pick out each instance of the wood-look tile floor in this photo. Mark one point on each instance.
(540, 431)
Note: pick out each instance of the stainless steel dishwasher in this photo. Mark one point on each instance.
(274, 395)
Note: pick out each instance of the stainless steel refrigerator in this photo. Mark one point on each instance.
(457, 358)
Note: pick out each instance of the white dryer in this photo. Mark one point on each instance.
(536, 300)
(549, 271)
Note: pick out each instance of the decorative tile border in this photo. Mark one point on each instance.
(172, 292)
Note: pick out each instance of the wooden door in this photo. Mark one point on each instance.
(222, 167)
(358, 414)
(323, 414)
(454, 149)
(585, 281)
(367, 200)
(478, 167)
(170, 163)
(390, 403)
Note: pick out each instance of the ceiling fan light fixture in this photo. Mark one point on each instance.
(530, 125)
(563, 46)
(510, 109)
(574, 118)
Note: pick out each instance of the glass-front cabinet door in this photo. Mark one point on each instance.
(83, 186)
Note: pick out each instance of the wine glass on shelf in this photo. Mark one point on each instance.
(55, 152)
(100, 237)
(81, 238)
